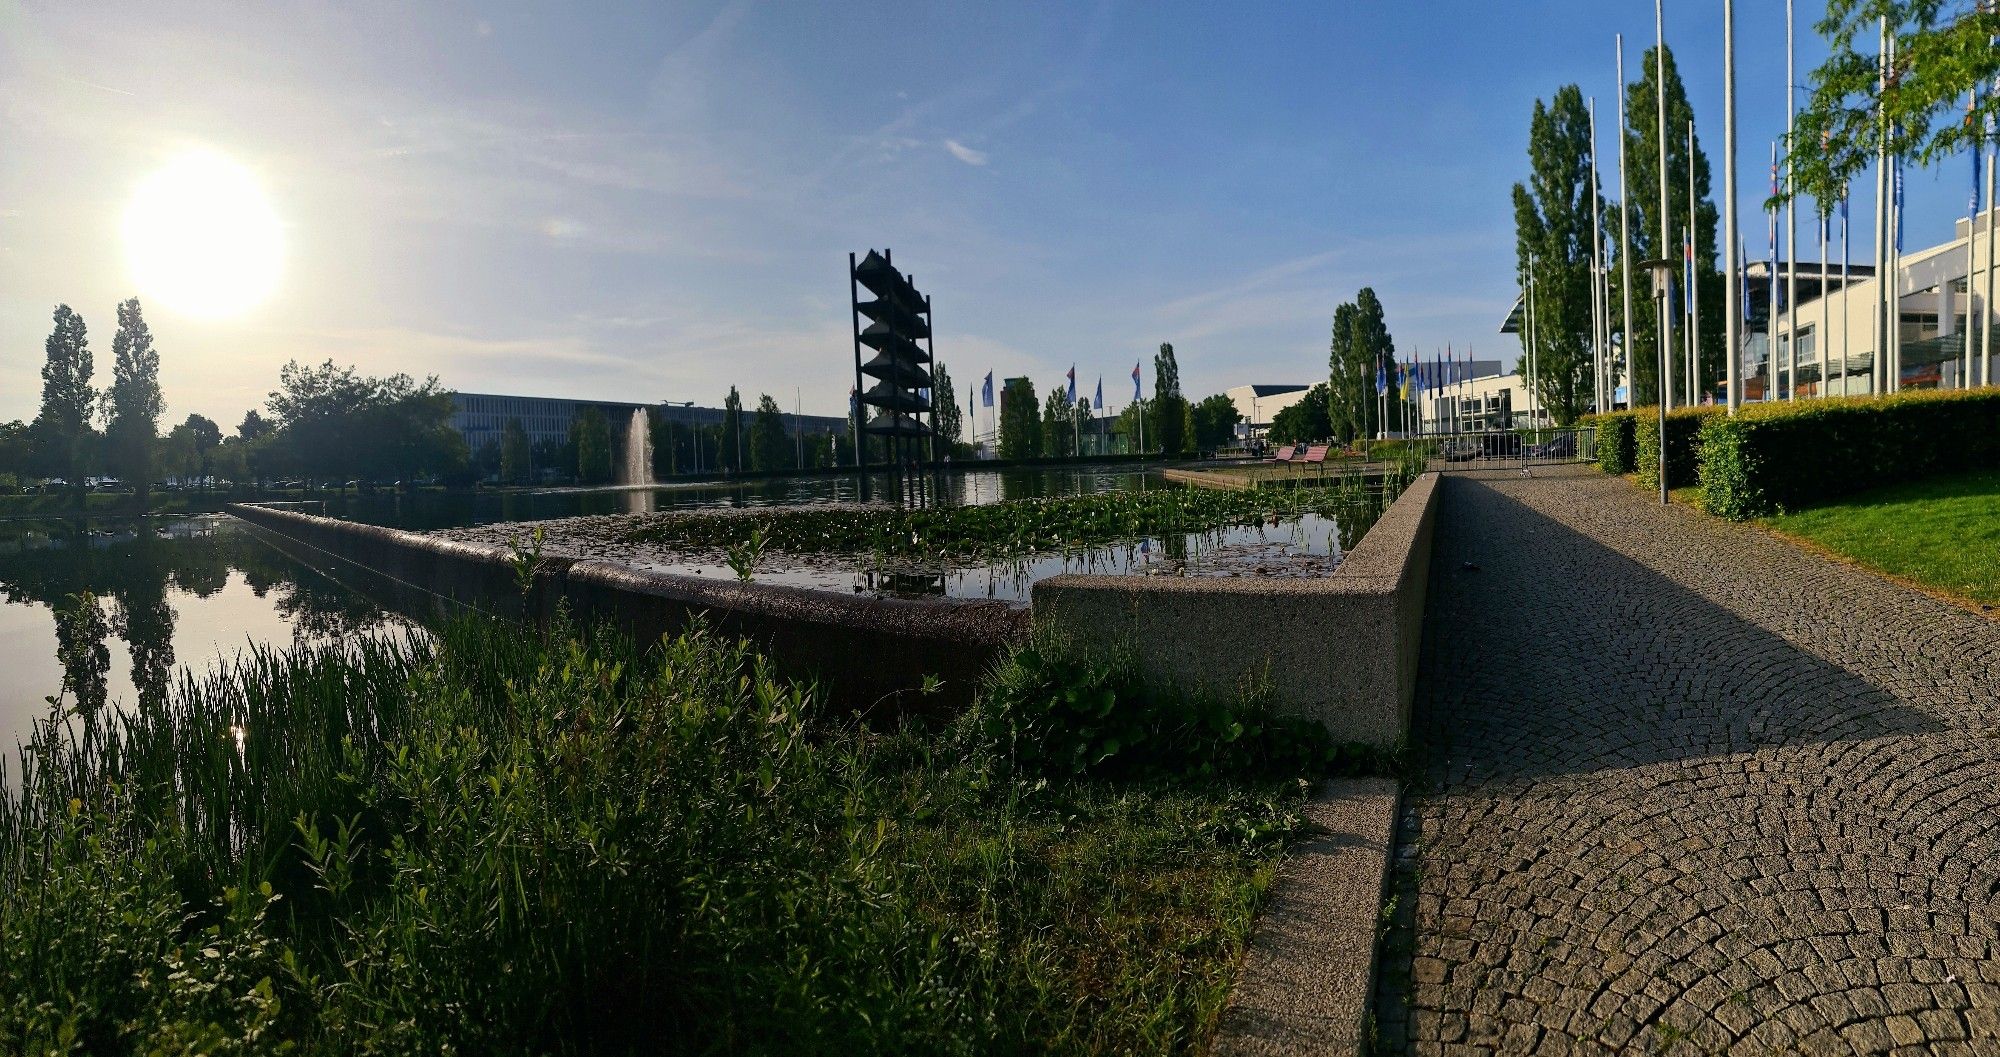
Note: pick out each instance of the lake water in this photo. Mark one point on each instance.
(172, 592)
(436, 510)
(178, 592)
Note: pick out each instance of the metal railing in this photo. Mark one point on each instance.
(1521, 450)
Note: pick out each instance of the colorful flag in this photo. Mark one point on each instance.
(1135, 381)
(1972, 101)
(1899, 203)
(986, 394)
(1687, 283)
(1072, 383)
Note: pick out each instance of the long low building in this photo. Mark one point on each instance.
(481, 418)
(1937, 310)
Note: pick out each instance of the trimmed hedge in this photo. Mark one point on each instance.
(1774, 457)
(1683, 434)
(1614, 440)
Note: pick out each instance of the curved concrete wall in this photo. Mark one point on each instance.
(1342, 648)
(864, 649)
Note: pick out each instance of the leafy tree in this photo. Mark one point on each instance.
(732, 431)
(1058, 436)
(135, 398)
(14, 448)
(62, 429)
(253, 426)
(769, 448)
(590, 433)
(1943, 52)
(1215, 420)
(950, 422)
(1360, 346)
(1020, 422)
(516, 455)
(189, 448)
(1552, 232)
(1167, 425)
(333, 424)
(1306, 420)
(1347, 380)
(1642, 161)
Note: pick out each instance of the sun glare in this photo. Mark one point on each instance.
(201, 239)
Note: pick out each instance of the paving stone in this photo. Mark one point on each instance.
(1676, 771)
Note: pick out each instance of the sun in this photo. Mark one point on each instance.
(201, 239)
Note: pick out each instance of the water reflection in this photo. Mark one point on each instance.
(104, 612)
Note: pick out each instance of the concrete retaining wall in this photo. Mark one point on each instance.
(1342, 648)
(864, 649)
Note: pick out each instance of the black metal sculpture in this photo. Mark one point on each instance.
(902, 388)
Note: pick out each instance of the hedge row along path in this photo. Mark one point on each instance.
(1687, 788)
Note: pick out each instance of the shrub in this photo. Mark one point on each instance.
(1683, 427)
(1775, 457)
(1058, 710)
(487, 840)
(1614, 441)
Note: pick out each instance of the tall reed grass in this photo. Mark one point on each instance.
(489, 840)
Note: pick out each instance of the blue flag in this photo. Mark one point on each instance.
(1099, 402)
(1072, 383)
(1135, 381)
(986, 395)
(1381, 380)
(1899, 205)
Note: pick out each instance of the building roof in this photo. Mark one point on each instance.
(1271, 390)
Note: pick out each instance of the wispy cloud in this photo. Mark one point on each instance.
(964, 153)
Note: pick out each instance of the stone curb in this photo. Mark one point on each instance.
(1310, 970)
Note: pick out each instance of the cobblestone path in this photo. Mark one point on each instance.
(1688, 789)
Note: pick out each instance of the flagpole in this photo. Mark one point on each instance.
(1625, 226)
(1732, 306)
(1596, 246)
(1791, 214)
(1772, 389)
(1846, 310)
(1971, 233)
(1878, 362)
(1825, 314)
(1666, 383)
(1694, 285)
(1986, 310)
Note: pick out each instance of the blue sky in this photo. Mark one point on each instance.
(654, 201)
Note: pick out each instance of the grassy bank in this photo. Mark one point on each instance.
(487, 841)
(1942, 533)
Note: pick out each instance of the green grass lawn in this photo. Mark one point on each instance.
(1942, 533)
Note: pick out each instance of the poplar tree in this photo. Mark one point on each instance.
(1167, 419)
(1344, 381)
(136, 404)
(1642, 171)
(63, 425)
(1552, 232)
(769, 450)
(1374, 350)
(950, 424)
(732, 430)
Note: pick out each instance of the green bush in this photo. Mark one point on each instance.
(1614, 441)
(1683, 429)
(1057, 710)
(1775, 457)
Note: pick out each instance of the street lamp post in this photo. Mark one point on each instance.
(1662, 271)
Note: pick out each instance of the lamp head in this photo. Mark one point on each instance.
(1662, 272)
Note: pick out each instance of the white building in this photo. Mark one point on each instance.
(1836, 334)
(1259, 404)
